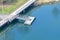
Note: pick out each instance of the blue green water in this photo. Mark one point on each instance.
(45, 27)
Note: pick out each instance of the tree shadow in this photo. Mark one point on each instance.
(56, 11)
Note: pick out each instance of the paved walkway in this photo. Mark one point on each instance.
(2, 16)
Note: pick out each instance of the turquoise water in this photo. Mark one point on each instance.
(45, 27)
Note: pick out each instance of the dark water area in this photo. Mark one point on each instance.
(45, 27)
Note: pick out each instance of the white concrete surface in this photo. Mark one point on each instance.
(29, 20)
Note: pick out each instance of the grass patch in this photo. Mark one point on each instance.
(7, 9)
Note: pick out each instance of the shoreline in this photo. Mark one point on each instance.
(40, 2)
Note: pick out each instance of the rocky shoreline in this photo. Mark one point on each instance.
(40, 2)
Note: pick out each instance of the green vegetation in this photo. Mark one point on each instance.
(9, 6)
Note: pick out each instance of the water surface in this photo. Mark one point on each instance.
(45, 27)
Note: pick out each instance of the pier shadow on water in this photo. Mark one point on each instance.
(28, 9)
(24, 29)
(7, 25)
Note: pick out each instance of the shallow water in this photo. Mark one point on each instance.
(45, 27)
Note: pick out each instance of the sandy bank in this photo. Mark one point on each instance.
(38, 2)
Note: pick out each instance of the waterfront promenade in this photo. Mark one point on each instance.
(14, 14)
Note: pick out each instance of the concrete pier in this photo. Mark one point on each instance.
(29, 20)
